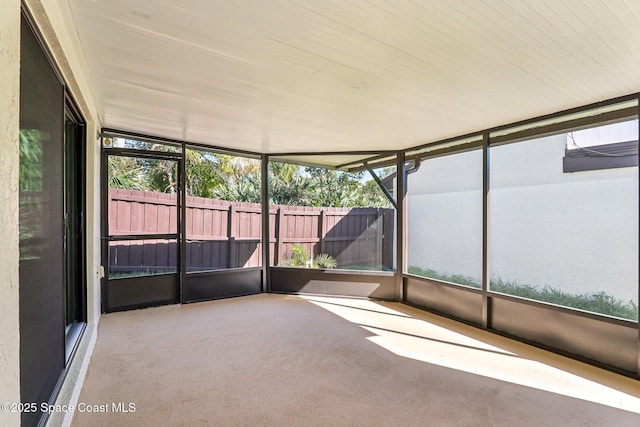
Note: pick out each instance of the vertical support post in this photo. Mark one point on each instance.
(638, 284)
(486, 310)
(104, 227)
(401, 212)
(182, 221)
(264, 199)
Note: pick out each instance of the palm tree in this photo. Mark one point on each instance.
(127, 173)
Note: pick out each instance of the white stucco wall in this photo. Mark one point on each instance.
(445, 215)
(574, 231)
(9, 158)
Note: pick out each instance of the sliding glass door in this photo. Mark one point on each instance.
(51, 226)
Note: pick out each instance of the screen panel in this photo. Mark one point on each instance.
(223, 211)
(445, 219)
(563, 236)
(41, 207)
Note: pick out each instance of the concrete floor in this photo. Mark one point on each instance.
(317, 361)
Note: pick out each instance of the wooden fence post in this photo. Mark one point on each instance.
(379, 235)
(389, 217)
(232, 238)
(323, 230)
(279, 245)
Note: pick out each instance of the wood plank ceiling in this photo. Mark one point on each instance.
(276, 76)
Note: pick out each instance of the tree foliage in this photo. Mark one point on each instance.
(127, 173)
(30, 160)
(231, 178)
(312, 186)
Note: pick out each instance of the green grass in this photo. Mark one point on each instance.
(455, 278)
(599, 302)
(126, 274)
(361, 267)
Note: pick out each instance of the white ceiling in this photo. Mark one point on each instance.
(277, 76)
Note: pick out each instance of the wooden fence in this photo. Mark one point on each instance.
(222, 234)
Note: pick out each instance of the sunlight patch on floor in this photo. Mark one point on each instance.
(419, 339)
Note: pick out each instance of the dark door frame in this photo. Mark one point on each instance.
(75, 222)
(145, 291)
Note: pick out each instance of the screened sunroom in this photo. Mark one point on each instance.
(304, 212)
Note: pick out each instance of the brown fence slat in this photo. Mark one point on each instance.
(224, 234)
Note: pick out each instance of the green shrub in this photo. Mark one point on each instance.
(300, 257)
(324, 261)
